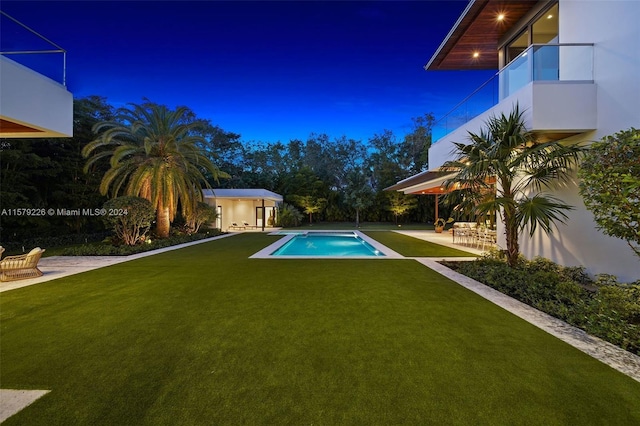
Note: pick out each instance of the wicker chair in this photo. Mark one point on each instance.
(22, 266)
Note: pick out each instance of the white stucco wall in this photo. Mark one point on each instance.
(612, 25)
(34, 100)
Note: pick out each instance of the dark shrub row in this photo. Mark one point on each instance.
(602, 307)
(53, 241)
(107, 249)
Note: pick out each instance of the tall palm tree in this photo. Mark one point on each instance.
(505, 155)
(153, 153)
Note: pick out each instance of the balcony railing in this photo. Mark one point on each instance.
(539, 62)
(23, 45)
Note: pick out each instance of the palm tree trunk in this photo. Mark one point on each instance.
(511, 234)
(162, 222)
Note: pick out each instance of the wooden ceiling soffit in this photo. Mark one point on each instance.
(478, 30)
(7, 126)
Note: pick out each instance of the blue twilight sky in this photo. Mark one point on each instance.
(267, 70)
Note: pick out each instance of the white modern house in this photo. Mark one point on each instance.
(573, 66)
(34, 100)
(256, 207)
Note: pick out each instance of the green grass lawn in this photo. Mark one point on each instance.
(203, 336)
(415, 247)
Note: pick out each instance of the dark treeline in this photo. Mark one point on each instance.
(339, 179)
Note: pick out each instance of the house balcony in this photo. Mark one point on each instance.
(552, 83)
(35, 102)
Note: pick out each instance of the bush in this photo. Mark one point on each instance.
(202, 214)
(603, 308)
(130, 218)
(106, 249)
(52, 241)
(289, 216)
(610, 185)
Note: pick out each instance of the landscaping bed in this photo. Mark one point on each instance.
(602, 307)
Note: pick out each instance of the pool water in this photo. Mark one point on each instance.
(327, 244)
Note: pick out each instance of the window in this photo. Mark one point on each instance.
(543, 29)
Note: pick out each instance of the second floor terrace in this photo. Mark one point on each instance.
(563, 78)
(35, 101)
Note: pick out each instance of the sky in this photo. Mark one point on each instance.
(269, 70)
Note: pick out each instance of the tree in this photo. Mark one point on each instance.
(202, 214)
(415, 147)
(310, 204)
(505, 152)
(130, 218)
(154, 154)
(400, 203)
(610, 185)
(358, 194)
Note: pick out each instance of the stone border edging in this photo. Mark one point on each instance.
(615, 357)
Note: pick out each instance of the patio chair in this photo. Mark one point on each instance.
(234, 225)
(22, 266)
(246, 224)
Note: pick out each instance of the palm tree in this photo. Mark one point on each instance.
(504, 170)
(153, 153)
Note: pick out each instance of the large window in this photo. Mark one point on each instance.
(541, 30)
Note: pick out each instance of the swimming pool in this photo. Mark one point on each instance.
(319, 244)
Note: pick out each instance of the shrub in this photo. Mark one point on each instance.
(610, 185)
(288, 216)
(203, 213)
(130, 218)
(106, 249)
(604, 307)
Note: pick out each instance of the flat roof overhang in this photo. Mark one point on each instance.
(478, 29)
(429, 182)
(243, 194)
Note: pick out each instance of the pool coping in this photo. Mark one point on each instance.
(267, 252)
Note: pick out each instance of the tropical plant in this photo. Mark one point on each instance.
(153, 153)
(202, 214)
(505, 155)
(400, 203)
(288, 216)
(610, 185)
(129, 217)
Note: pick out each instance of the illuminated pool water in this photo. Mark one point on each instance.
(340, 244)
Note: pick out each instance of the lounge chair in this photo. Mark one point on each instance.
(234, 225)
(22, 266)
(246, 224)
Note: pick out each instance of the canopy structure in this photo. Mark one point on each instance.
(425, 183)
(247, 208)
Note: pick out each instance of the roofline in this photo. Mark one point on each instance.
(451, 32)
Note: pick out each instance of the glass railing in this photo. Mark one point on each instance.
(539, 62)
(23, 45)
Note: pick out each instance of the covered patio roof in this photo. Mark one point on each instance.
(472, 43)
(428, 182)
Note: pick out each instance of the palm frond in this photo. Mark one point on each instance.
(541, 210)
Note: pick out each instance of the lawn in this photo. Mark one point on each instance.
(203, 335)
